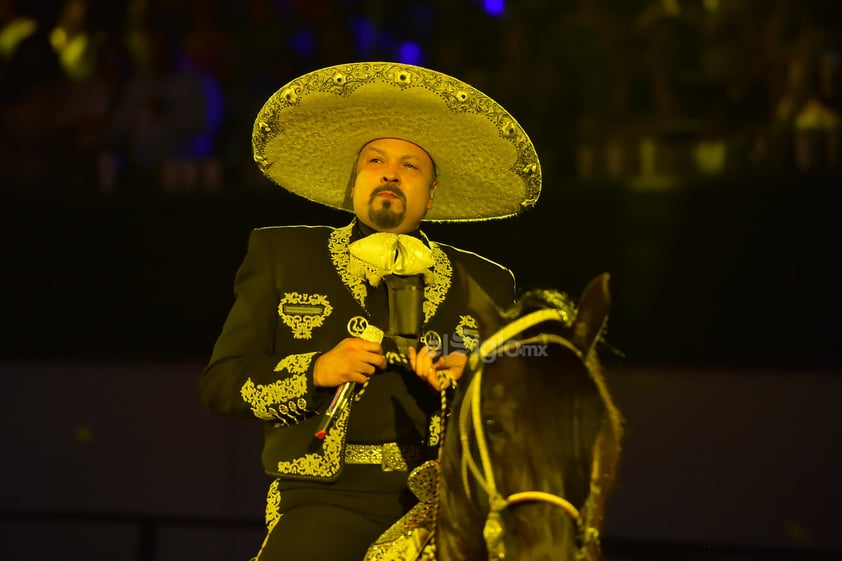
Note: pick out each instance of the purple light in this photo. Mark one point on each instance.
(494, 8)
(410, 53)
(303, 42)
(365, 35)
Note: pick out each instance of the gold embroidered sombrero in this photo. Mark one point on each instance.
(307, 136)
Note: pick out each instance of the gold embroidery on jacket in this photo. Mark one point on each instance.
(283, 400)
(325, 464)
(302, 312)
(468, 331)
(438, 282)
(337, 245)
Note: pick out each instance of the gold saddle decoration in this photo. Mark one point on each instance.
(411, 537)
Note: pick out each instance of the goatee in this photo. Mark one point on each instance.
(385, 218)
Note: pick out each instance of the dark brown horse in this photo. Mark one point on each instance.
(531, 445)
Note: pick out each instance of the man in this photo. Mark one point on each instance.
(341, 340)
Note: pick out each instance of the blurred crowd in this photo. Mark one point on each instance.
(102, 96)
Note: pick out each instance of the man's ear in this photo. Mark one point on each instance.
(433, 188)
(349, 190)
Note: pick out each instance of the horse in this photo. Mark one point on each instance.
(531, 442)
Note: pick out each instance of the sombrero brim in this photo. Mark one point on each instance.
(307, 136)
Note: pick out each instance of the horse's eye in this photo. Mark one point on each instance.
(492, 425)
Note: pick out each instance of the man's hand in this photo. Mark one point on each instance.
(447, 368)
(351, 360)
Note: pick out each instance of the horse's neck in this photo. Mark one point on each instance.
(458, 530)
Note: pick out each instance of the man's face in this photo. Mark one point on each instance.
(394, 185)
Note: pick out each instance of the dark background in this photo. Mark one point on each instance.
(689, 148)
(721, 274)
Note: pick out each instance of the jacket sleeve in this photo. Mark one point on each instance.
(246, 375)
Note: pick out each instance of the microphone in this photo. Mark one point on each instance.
(405, 298)
(358, 326)
(340, 400)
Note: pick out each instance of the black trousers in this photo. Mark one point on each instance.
(336, 521)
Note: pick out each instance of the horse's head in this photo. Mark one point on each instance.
(533, 438)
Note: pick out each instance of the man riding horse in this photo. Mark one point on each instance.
(339, 339)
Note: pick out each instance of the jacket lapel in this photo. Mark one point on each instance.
(337, 245)
(437, 279)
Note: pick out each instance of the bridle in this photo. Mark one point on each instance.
(470, 417)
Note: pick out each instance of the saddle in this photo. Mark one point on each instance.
(412, 537)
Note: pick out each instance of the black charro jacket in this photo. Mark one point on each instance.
(294, 297)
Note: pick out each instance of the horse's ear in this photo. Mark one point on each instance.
(592, 314)
(480, 304)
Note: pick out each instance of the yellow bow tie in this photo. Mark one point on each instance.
(384, 254)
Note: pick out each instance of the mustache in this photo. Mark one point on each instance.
(391, 189)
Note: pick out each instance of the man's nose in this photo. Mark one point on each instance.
(390, 174)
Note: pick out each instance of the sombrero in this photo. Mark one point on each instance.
(307, 136)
